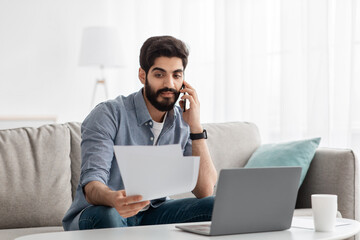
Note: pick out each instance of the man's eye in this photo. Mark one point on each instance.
(158, 75)
(177, 76)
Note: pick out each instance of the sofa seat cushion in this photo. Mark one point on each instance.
(35, 176)
(11, 234)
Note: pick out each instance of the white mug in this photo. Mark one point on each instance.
(324, 207)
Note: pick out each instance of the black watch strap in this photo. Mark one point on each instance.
(196, 136)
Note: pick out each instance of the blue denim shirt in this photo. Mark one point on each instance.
(122, 121)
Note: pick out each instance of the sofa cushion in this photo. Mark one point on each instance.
(333, 171)
(35, 176)
(230, 144)
(75, 154)
(296, 153)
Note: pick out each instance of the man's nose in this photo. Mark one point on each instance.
(169, 82)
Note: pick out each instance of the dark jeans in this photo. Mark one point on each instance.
(172, 211)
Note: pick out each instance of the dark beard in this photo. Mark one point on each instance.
(167, 104)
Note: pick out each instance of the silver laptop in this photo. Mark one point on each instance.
(252, 200)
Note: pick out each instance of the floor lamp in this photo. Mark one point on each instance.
(100, 48)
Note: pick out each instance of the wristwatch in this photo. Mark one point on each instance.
(196, 136)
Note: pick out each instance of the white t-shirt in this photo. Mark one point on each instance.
(156, 130)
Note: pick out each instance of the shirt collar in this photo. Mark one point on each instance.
(142, 113)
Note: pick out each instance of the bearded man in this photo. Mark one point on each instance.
(146, 117)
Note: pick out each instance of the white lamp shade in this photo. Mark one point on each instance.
(100, 46)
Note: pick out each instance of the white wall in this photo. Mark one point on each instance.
(39, 48)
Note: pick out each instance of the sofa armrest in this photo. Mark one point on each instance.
(332, 171)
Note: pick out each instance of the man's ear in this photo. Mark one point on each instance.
(142, 75)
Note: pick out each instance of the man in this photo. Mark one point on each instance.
(147, 117)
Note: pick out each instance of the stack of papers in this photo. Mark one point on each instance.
(308, 222)
(156, 171)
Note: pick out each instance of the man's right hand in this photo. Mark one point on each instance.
(97, 193)
(127, 206)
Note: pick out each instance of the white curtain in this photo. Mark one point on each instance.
(290, 66)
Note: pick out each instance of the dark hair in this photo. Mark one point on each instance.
(162, 46)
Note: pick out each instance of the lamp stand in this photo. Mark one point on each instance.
(98, 83)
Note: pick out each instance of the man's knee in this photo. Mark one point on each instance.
(101, 217)
(200, 210)
(207, 204)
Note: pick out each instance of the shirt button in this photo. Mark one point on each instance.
(150, 123)
(151, 138)
(146, 124)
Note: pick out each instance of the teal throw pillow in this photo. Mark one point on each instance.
(297, 153)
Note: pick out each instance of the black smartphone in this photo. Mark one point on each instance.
(184, 110)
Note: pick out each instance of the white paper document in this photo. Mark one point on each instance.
(308, 222)
(156, 171)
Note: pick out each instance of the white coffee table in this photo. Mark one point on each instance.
(169, 231)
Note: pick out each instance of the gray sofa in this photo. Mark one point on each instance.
(39, 172)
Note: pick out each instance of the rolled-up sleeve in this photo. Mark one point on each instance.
(188, 148)
(98, 132)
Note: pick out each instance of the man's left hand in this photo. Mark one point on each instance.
(192, 114)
